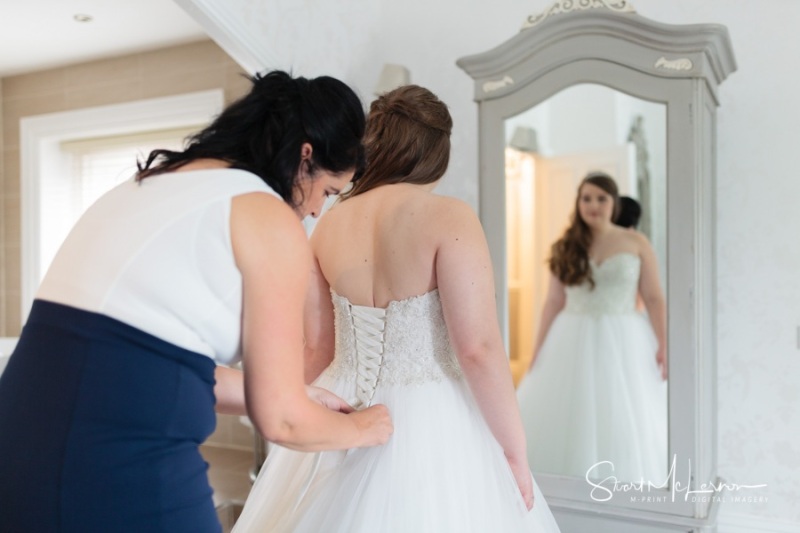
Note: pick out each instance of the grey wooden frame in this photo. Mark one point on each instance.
(682, 67)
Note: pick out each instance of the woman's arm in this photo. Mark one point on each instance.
(653, 297)
(229, 391)
(273, 256)
(554, 302)
(466, 287)
(318, 325)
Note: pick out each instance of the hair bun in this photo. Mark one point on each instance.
(418, 104)
(407, 140)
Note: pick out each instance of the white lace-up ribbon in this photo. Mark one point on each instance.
(369, 325)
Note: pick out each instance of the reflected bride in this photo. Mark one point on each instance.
(595, 397)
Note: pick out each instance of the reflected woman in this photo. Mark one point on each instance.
(596, 389)
(629, 213)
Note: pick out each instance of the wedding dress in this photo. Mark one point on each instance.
(595, 400)
(442, 470)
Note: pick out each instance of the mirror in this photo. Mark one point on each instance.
(652, 100)
(550, 148)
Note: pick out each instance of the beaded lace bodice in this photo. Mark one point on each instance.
(404, 344)
(616, 281)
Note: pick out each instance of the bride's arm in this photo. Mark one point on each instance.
(653, 298)
(466, 287)
(554, 302)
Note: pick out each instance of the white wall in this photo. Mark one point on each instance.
(352, 39)
(758, 259)
(757, 212)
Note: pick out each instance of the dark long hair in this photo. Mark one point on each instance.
(407, 139)
(630, 211)
(569, 256)
(263, 132)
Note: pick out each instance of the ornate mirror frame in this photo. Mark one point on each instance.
(605, 42)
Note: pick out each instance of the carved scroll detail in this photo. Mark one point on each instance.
(565, 6)
(683, 63)
(491, 86)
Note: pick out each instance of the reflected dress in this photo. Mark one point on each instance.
(595, 392)
(442, 470)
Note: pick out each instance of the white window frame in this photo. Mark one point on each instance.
(42, 159)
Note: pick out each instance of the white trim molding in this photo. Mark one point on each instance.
(40, 139)
(232, 34)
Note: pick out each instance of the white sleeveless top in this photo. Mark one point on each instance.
(157, 256)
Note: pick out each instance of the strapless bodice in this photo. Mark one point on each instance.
(403, 344)
(616, 282)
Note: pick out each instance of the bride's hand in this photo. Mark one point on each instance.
(522, 475)
(533, 360)
(328, 399)
(374, 424)
(661, 360)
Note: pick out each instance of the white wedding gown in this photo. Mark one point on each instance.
(595, 393)
(442, 471)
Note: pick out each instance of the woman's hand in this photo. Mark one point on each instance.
(326, 398)
(374, 424)
(522, 475)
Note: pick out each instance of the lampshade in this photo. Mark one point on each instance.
(392, 77)
(524, 139)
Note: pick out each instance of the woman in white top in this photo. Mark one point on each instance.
(201, 259)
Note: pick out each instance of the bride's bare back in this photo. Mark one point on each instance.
(381, 246)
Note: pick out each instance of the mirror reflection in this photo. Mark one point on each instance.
(586, 284)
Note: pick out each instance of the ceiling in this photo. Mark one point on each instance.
(42, 34)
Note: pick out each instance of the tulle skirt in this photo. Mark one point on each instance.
(442, 471)
(594, 400)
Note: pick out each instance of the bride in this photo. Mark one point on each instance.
(598, 374)
(402, 313)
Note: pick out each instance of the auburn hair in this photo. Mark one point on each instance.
(407, 140)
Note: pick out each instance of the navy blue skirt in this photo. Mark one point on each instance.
(100, 425)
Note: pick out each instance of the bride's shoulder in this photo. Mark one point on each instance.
(447, 208)
(451, 205)
(447, 217)
(635, 238)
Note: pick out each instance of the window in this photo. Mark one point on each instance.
(94, 167)
(51, 144)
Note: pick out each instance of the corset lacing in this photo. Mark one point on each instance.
(369, 324)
